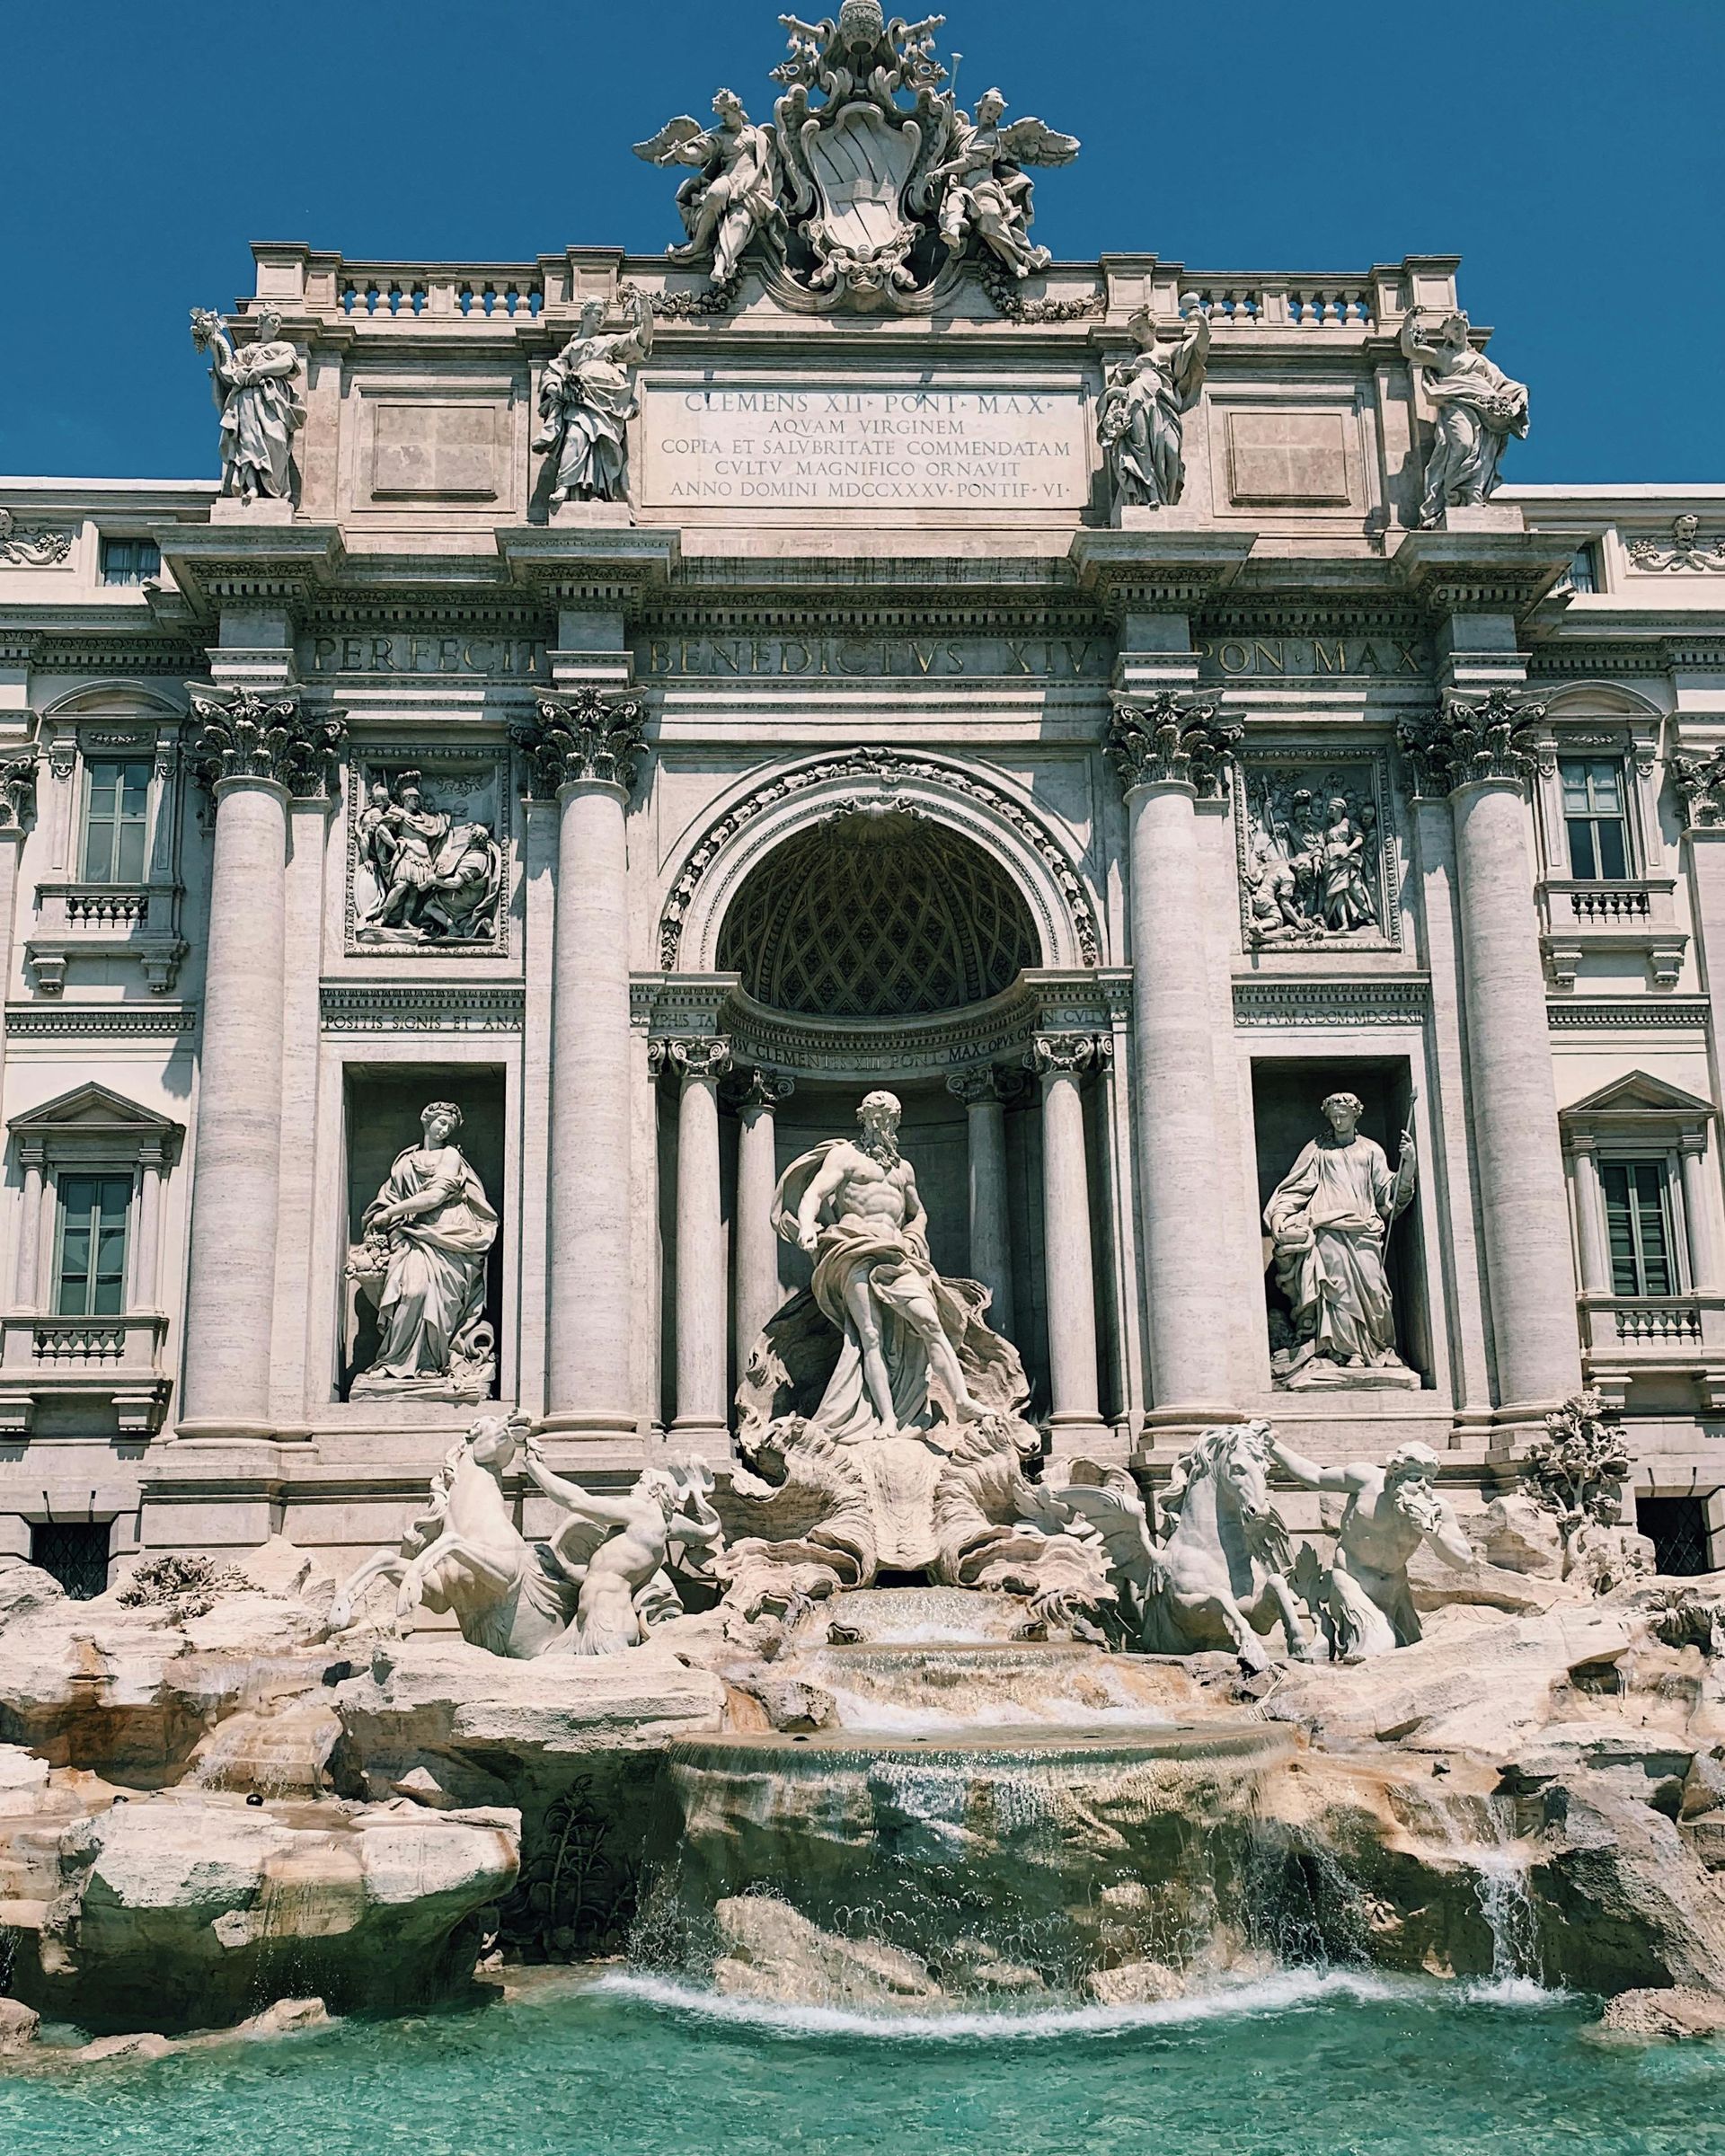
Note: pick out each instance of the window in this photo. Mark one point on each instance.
(90, 1258)
(1593, 812)
(1582, 576)
(1637, 1227)
(1677, 1529)
(129, 561)
(116, 816)
(74, 1552)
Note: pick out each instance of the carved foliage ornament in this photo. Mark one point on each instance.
(887, 768)
(1688, 551)
(1700, 781)
(1461, 743)
(1071, 1053)
(245, 735)
(32, 549)
(1170, 739)
(706, 1058)
(583, 736)
(870, 180)
(17, 788)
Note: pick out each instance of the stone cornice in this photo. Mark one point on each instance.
(1287, 999)
(238, 565)
(1474, 572)
(1163, 571)
(119, 1022)
(1645, 1013)
(601, 567)
(421, 1007)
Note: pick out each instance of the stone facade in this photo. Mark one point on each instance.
(856, 725)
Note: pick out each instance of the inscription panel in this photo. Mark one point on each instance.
(834, 445)
(1287, 456)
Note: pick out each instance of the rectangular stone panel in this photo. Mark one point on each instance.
(426, 450)
(825, 445)
(1287, 456)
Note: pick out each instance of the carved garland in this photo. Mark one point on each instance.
(889, 768)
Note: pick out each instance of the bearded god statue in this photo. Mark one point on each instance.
(1329, 1221)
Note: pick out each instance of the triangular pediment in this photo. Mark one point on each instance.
(1638, 1094)
(90, 1110)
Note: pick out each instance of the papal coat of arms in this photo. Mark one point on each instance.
(871, 187)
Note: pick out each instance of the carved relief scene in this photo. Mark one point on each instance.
(1317, 863)
(427, 858)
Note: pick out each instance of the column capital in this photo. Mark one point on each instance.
(1465, 743)
(1693, 1142)
(984, 1081)
(1054, 1054)
(1580, 1141)
(1700, 781)
(17, 791)
(249, 734)
(704, 1060)
(581, 735)
(759, 1088)
(1170, 739)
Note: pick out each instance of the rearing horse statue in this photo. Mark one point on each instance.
(1221, 1578)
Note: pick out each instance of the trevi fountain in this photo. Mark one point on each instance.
(930, 1355)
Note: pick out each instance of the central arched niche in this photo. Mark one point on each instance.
(877, 914)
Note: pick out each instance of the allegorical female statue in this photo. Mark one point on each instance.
(587, 399)
(1140, 423)
(427, 1235)
(261, 413)
(1329, 1219)
(1478, 408)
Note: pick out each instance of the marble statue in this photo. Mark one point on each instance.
(1478, 408)
(1578, 1471)
(1221, 1578)
(870, 181)
(436, 880)
(852, 1205)
(1328, 1220)
(1361, 1597)
(600, 1584)
(1140, 422)
(587, 398)
(426, 1237)
(1311, 851)
(882, 1423)
(733, 192)
(260, 410)
(985, 191)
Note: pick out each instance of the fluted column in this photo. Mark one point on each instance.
(1698, 1212)
(1060, 1061)
(1477, 753)
(701, 1299)
(584, 751)
(1589, 1218)
(255, 748)
(756, 1293)
(984, 1092)
(1168, 750)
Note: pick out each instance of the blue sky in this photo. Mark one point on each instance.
(1569, 150)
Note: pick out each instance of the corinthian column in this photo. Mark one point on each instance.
(254, 751)
(1479, 754)
(701, 1299)
(584, 751)
(984, 1092)
(1060, 1061)
(1168, 750)
(756, 1293)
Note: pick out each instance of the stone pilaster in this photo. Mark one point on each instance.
(1167, 750)
(701, 1301)
(984, 1092)
(756, 1290)
(1060, 1061)
(1477, 752)
(17, 803)
(255, 750)
(585, 752)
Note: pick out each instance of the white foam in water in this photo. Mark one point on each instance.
(1288, 1990)
(861, 1715)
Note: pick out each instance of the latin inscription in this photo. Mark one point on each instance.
(854, 448)
(1309, 657)
(861, 658)
(500, 658)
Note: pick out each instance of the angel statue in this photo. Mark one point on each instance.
(1140, 422)
(983, 187)
(1478, 408)
(261, 413)
(734, 191)
(587, 399)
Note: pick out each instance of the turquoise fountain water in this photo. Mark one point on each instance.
(1302, 2064)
